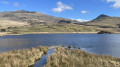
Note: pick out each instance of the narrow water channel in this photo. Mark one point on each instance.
(43, 60)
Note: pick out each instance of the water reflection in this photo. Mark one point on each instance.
(13, 43)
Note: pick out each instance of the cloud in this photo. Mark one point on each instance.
(84, 12)
(116, 3)
(81, 20)
(61, 7)
(16, 4)
(4, 2)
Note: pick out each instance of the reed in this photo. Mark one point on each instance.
(64, 57)
(21, 58)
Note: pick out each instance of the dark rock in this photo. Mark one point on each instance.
(64, 21)
(104, 32)
(69, 47)
(3, 30)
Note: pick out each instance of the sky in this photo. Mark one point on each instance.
(81, 10)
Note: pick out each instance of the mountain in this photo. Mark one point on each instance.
(33, 17)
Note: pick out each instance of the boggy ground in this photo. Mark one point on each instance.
(64, 57)
(22, 58)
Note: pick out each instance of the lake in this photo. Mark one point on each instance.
(94, 43)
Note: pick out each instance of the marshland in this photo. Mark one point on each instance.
(64, 33)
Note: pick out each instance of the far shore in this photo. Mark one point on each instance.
(7, 33)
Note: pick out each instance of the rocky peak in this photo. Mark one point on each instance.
(102, 16)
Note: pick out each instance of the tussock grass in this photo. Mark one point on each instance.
(64, 57)
(21, 58)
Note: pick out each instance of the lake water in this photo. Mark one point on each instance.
(43, 59)
(94, 43)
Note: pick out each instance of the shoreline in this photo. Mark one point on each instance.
(24, 33)
(6, 33)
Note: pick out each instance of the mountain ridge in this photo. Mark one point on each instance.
(32, 16)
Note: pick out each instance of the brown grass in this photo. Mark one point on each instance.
(78, 58)
(4, 23)
(21, 58)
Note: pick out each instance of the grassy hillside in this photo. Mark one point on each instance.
(22, 21)
(56, 27)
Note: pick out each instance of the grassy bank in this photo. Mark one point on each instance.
(54, 28)
(21, 58)
(78, 58)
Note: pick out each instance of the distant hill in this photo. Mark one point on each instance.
(105, 22)
(105, 19)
